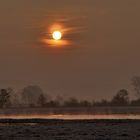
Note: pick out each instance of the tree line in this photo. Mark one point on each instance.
(33, 96)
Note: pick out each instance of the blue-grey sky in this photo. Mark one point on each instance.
(102, 59)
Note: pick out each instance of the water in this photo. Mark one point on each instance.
(72, 117)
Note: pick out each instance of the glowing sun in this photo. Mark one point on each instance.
(57, 35)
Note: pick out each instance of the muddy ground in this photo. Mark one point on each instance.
(39, 129)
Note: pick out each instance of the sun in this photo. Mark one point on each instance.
(57, 35)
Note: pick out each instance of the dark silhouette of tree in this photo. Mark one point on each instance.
(42, 100)
(11, 102)
(84, 103)
(101, 103)
(4, 97)
(135, 102)
(59, 100)
(121, 98)
(30, 95)
(72, 102)
(136, 85)
(104, 102)
(53, 103)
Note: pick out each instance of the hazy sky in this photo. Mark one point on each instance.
(103, 58)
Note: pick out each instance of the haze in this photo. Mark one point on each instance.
(103, 58)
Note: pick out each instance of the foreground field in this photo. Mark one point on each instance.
(39, 129)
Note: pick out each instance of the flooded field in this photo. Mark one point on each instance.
(71, 113)
(37, 124)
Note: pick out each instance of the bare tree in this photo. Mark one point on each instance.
(30, 95)
(4, 98)
(136, 85)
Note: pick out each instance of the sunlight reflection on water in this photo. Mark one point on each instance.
(72, 117)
